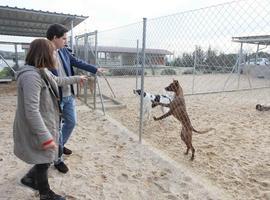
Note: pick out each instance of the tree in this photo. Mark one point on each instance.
(187, 60)
(199, 55)
(211, 57)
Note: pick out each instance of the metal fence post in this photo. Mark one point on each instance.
(95, 82)
(77, 70)
(239, 64)
(71, 36)
(142, 79)
(86, 59)
(137, 64)
(194, 69)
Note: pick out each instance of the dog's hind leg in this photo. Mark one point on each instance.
(192, 149)
(189, 146)
(187, 135)
(147, 109)
(193, 153)
(148, 114)
(184, 139)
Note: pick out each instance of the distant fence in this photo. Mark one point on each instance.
(194, 42)
(10, 60)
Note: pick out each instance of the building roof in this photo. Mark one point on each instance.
(113, 49)
(110, 49)
(259, 39)
(33, 23)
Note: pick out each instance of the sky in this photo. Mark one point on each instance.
(106, 14)
(213, 28)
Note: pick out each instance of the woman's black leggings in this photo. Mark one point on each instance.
(41, 176)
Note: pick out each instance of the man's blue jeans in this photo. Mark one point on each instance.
(69, 119)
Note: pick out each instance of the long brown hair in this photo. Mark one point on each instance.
(41, 54)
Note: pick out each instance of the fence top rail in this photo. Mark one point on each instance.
(85, 35)
(11, 43)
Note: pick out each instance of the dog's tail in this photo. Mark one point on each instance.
(204, 131)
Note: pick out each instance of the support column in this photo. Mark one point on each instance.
(71, 31)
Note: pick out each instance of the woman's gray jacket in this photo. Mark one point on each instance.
(37, 115)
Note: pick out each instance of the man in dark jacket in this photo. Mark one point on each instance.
(57, 34)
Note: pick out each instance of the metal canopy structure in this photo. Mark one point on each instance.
(112, 49)
(257, 40)
(260, 39)
(33, 23)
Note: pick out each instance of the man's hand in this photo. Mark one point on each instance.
(101, 70)
(82, 79)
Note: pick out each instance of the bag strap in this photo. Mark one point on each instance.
(54, 93)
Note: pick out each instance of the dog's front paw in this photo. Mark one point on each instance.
(155, 118)
(154, 103)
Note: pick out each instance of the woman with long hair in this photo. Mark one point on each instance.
(36, 124)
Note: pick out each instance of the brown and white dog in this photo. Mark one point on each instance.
(177, 108)
(90, 83)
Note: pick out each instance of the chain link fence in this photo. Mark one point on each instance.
(10, 60)
(221, 48)
(220, 57)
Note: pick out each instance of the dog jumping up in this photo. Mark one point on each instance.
(147, 101)
(177, 108)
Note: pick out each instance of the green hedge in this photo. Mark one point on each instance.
(168, 72)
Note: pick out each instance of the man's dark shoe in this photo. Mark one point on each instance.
(51, 196)
(61, 167)
(29, 182)
(67, 151)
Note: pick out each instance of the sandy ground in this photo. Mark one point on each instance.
(107, 163)
(235, 157)
(231, 162)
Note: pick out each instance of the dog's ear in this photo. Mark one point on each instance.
(138, 92)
